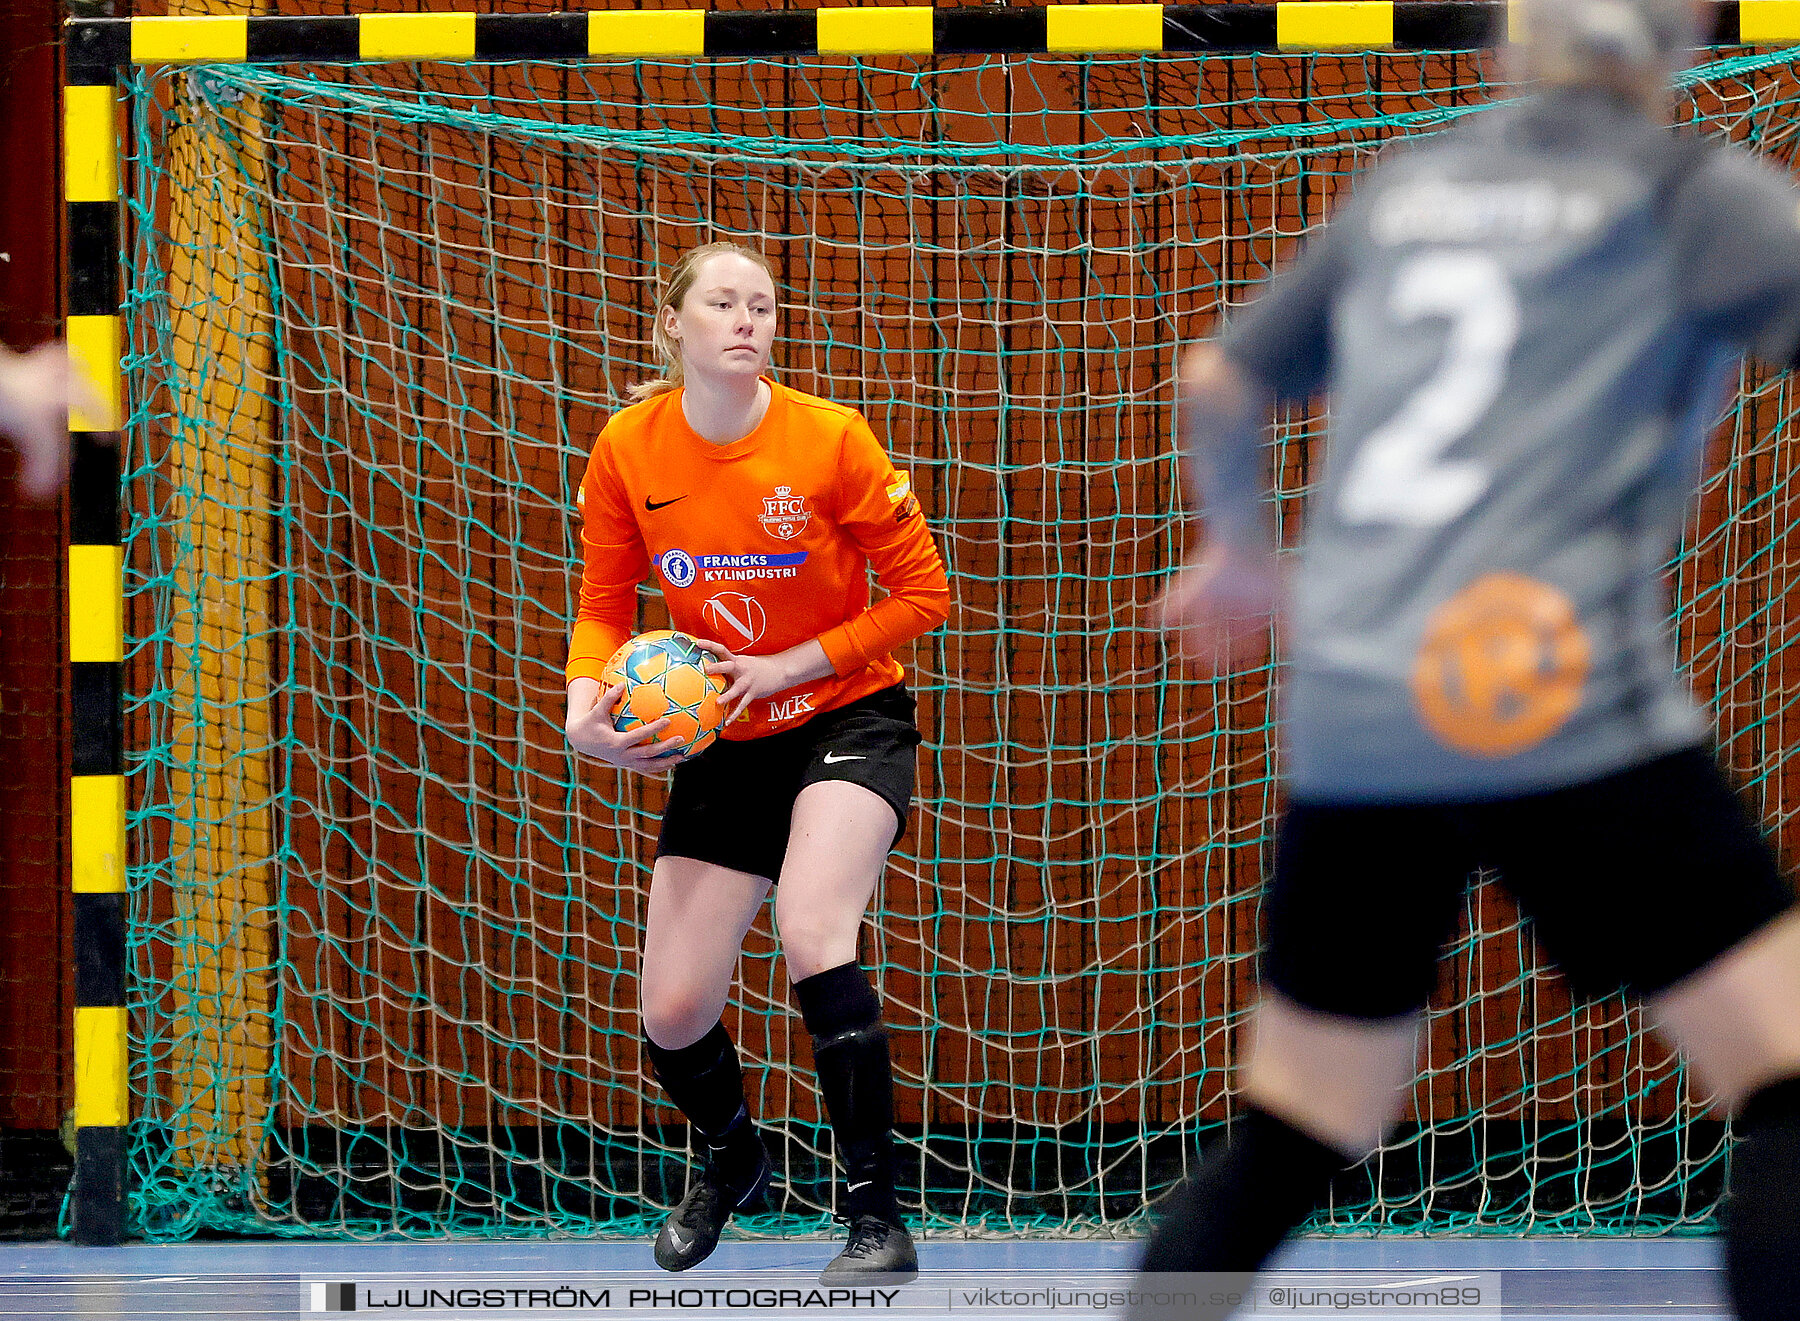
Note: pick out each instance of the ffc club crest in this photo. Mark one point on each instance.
(785, 514)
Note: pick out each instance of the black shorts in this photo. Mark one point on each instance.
(1633, 881)
(732, 804)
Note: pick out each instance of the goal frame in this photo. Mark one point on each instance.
(100, 52)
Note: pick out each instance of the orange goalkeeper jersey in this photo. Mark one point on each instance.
(758, 545)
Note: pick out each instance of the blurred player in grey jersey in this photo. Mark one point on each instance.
(1525, 325)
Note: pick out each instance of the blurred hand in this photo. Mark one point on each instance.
(1220, 606)
(590, 731)
(37, 390)
(748, 678)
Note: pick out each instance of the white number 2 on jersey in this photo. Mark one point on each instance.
(1397, 475)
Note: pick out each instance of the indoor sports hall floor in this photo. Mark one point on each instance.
(1545, 1279)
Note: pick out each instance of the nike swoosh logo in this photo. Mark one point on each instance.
(832, 759)
(676, 1238)
(864, 1184)
(651, 506)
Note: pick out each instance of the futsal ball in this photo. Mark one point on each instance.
(664, 675)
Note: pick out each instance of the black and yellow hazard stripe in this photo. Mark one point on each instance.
(1291, 25)
(96, 654)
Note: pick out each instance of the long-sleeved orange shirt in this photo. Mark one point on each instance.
(758, 545)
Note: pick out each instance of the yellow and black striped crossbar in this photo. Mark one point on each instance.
(96, 657)
(1291, 25)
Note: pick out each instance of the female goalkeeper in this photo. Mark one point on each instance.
(761, 510)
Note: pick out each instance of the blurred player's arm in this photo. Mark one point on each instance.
(37, 390)
(1224, 422)
(1221, 602)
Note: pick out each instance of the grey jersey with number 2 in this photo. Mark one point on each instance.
(1525, 325)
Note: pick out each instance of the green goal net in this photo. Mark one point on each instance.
(384, 927)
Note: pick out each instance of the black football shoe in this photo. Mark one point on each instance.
(880, 1251)
(692, 1230)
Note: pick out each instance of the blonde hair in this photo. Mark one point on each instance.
(674, 293)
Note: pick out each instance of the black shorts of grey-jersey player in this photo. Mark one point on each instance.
(1524, 325)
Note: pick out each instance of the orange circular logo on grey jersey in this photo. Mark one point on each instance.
(1501, 667)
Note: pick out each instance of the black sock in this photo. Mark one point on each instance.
(1761, 1216)
(1252, 1190)
(707, 1085)
(850, 1050)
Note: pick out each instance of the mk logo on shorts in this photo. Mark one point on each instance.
(800, 704)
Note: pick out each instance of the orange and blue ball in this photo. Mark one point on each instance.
(664, 673)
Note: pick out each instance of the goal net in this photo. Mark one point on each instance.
(385, 928)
